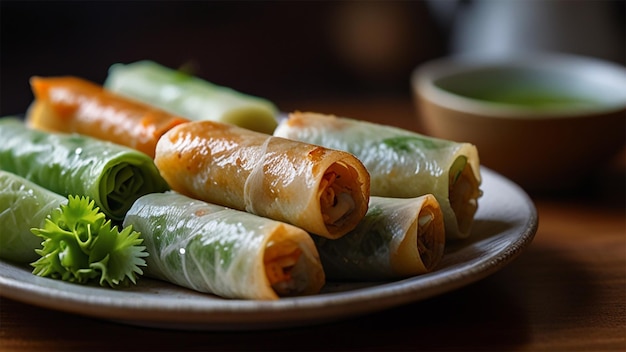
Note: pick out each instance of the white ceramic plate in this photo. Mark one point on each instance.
(505, 225)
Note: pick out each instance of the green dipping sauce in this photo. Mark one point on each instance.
(521, 88)
(534, 98)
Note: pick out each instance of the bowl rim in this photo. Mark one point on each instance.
(425, 75)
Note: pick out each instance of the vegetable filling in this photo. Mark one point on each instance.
(463, 193)
(425, 243)
(123, 183)
(280, 264)
(336, 199)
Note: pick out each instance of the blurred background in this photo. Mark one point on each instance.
(291, 52)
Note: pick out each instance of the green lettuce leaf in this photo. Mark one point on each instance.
(112, 175)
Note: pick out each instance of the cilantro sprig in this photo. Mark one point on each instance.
(81, 245)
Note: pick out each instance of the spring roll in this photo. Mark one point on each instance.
(226, 252)
(72, 104)
(23, 205)
(321, 190)
(112, 175)
(191, 96)
(398, 238)
(401, 163)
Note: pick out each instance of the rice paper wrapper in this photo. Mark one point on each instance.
(226, 252)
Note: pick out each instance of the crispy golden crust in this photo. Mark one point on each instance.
(71, 104)
(299, 183)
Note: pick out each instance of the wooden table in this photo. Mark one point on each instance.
(566, 292)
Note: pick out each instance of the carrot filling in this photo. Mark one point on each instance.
(279, 268)
(335, 198)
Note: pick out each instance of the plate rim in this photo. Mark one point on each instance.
(198, 313)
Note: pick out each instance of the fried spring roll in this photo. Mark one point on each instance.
(401, 163)
(72, 104)
(230, 253)
(398, 238)
(321, 190)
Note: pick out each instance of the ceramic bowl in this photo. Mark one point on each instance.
(546, 121)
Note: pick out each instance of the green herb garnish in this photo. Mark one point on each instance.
(81, 245)
(409, 143)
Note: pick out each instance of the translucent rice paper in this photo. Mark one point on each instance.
(401, 163)
(23, 205)
(398, 238)
(214, 249)
(191, 96)
(113, 176)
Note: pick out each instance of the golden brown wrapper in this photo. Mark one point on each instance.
(321, 190)
(75, 105)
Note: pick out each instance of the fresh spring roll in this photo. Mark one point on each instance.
(113, 176)
(398, 238)
(72, 104)
(321, 190)
(23, 205)
(226, 252)
(191, 96)
(401, 163)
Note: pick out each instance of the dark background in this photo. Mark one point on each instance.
(281, 50)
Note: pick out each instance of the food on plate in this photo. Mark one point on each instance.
(81, 245)
(401, 163)
(230, 253)
(23, 205)
(70, 164)
(398, 238)
(73, 104)
(190, 96)
(323, 191)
